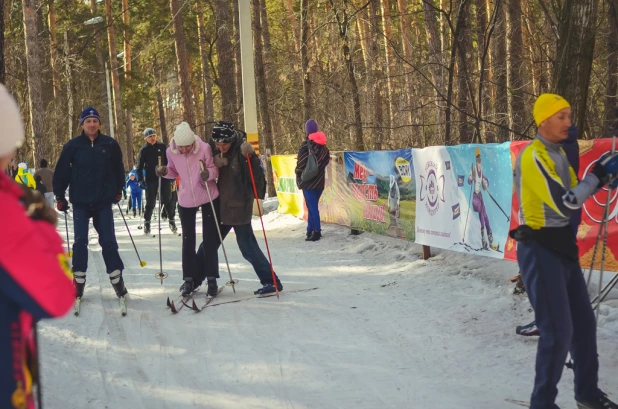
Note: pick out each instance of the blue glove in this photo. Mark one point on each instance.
(606, 167)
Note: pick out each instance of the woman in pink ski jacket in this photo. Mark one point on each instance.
(191, 159)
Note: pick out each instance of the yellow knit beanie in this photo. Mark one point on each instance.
(546, 105)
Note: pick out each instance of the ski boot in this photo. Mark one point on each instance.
(173, 227)
(268, 288)
(146, 227)
(212, 287)
(79, 280)
(187, 288)
(118, 283)
(602, 402)
(529, 330)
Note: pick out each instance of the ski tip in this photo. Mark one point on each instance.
(168, 302)
(173, 307)
(194, 307)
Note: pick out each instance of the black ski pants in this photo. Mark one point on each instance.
(152, 188)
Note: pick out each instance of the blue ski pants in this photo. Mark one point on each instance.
(312, 197)
(566, 322)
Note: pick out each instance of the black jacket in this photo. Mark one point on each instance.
(236, 188)
(149, 159)
(93, 171)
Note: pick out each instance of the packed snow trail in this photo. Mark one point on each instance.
(384, 329)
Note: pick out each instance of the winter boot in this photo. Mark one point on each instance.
(118, 283)
(309, 233)
(212, 287)
(146, 227)
(187, 287)
(173, 227)
(483, 239)
(529, 330)
(268, 288)
(79, 280)
(602, 402)
(315, 236)
(134, 212)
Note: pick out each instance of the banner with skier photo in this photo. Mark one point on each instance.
(291, 199)
(464, 197)
(591, 213)
(383, 192)
(336, 196)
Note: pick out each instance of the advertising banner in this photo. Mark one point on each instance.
(464, 197)
(291, 200)
(336, 196)
(383, 192)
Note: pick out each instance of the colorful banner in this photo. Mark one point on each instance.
(383, 192)
(592, 211)
(336, 196)
(291, 199)
(464, 197)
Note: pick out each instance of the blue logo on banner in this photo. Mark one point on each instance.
(448, 165)
(460, 180)
(456, 211)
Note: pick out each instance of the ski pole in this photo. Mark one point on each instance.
(160, 275)
(605, 234)
(463, 239)
(37, 365)
(66, 225)
(232, 282)
(141, 263)
(257, 200)
(499, 207)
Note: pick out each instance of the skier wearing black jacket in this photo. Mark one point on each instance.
(148, 160)
(90, 165)
(236, 198)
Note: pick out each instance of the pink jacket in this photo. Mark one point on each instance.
(192, 191)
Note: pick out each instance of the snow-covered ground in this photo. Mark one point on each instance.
(384, 329)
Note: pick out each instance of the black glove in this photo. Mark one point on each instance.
(62, 205)
(118, 197)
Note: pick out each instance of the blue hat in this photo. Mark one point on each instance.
(89, 112)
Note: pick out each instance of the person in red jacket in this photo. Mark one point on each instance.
(35, 281)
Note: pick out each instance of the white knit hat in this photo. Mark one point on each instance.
(11, 126)
(183, 135)
(22, 165)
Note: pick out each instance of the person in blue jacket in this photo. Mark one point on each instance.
(90, 165)
(136, 193)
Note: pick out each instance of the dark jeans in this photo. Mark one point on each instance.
(103, 221)
(249, 248)
(166, 198)
(312, 197)
(564, 317)
(194, 265)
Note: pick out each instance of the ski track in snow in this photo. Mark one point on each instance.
(385, 329)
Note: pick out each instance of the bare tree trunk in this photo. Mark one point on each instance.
(120, 121)
(182, 59)
(386, 28)
(35, 60)
(209, 113)
(304, 59)
(102, 100)
(289, 7)
(501, 104)
(343, 24)
(432, 32)
(56, 84)
(406, 40)
(378, 97)
(225, 65)
(612, 62)
(464, 38)
(68, 75)
(516, 68)
(240, 117)
(162, 122)
(575, 54)
(126, 18)
(262, 95)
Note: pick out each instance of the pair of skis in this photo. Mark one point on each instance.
(185, 300)
(122, 305)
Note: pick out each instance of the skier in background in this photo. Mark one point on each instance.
(136, 193)
(35, 281)
(47, 176)
(478, 178)
(149, 157)
(24, 177)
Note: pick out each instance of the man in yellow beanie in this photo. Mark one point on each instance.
(547, 253)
